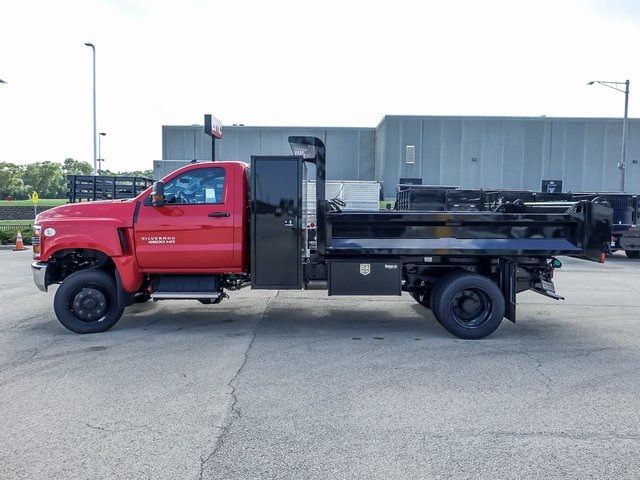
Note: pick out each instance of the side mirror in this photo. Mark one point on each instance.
(157, 194)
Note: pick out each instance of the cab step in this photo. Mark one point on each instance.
(196, 287)
(185, 295)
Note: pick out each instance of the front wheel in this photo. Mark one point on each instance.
(87, 302)
(632, 253)
(468, 305)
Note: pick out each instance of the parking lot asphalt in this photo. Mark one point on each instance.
(277, 384)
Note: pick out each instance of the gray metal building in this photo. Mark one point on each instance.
(472, 152)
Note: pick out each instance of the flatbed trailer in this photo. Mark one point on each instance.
(216, 226)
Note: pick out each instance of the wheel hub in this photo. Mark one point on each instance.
(470, 306)
(89, 305)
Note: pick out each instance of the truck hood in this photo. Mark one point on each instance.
(118, 212)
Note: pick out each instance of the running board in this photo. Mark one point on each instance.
(547, 289)
(184, 295)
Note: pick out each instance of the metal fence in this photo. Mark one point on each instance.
(15, 226)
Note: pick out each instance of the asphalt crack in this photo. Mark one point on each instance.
(95, 427)
(235, 412)
(25, 360)
(547, 380)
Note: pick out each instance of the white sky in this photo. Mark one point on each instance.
(342, 63)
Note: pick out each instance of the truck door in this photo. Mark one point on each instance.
(276, 230)
(194, 230)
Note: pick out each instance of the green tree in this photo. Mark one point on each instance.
(137, 173)
(11, 183)
(133, 173)
(46, 178)
(76, 167)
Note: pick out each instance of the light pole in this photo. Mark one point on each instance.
(100, 159)
(623, 160)
(93, 48)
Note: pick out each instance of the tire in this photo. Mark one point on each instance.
(468, 305)
(435, 291)
(87, 302)
(632, 253)
(423, 298)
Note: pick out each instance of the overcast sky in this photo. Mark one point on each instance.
(333, 63)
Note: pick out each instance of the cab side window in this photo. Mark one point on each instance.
(201, 186)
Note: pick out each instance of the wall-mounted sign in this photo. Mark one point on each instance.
(551, 186)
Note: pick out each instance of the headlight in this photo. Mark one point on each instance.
(35, 241)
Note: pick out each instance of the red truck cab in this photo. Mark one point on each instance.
(200, 229)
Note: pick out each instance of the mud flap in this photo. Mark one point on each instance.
(125, 299)
(508, 269)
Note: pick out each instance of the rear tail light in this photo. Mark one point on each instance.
(35, 241)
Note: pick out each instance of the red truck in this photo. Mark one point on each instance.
(216, 226)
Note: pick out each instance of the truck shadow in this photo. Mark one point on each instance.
(278, 319)
(397, 320)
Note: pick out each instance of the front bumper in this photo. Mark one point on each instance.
(39, 271)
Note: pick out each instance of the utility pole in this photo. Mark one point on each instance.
(623, 164)
(95, 128)
(100, 159)
(623, 157)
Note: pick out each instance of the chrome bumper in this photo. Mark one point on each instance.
(39, 275)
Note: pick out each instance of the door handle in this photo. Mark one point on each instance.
(219, 214)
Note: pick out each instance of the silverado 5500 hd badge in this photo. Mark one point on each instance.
(159, 240)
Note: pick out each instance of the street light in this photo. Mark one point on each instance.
(2, 81)
(100, 159)
(93, 48)
(623, 162)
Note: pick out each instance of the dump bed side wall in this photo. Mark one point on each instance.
(581, 233)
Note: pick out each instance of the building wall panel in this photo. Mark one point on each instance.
(511, 152)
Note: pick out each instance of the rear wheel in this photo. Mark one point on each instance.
(87, 302)
(468, 305)
(632, 253)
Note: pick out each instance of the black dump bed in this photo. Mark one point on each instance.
(583, 231)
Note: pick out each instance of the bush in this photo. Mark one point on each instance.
(8, 237)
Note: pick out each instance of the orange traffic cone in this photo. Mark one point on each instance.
(19, 243)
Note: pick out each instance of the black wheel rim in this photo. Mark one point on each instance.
(471, 307)
(89, 304)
